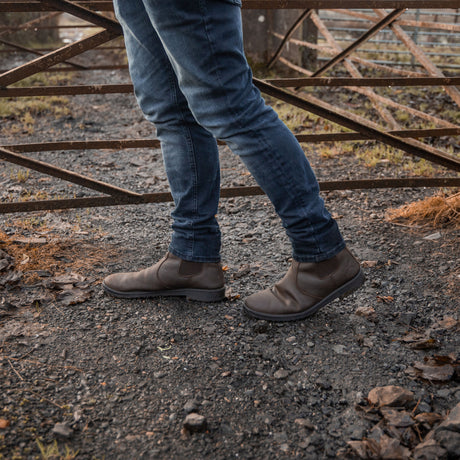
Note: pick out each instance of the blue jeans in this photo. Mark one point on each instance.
(192, 80)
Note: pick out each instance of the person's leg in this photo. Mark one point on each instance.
(203, 41)
(189, 151)
(191, 268)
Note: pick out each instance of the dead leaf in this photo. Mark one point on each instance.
(427, 344)
(73, 296)
(448, 322)
(428, 417)
(369, 263)
(391, 449)
(420, 341)
(64, 281)
(452, 358)
(390, 395)
(230, 295)
(413, 337)
(397, 418)
(365, 449)
(366, 312)
(385, 298)
(429, 449)
(432, 370)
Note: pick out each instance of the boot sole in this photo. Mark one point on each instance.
(202, 295)
(343, 291)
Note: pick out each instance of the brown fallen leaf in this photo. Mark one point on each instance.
(433, 370)
(385, 298)
(73, 296)
(391, 449)
(366, 312)
(451, 358)
(429, 449)
(420, 341)
(365, 449)
(427, 344)
(448, 322)
(397, 418)
(428, 417)
(65, 281)
(390, 395)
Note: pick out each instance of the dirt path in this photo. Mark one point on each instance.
(108, 378)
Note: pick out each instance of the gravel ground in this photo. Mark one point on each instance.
(88, 375)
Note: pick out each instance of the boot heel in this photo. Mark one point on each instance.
(354, 284)
(206, 295)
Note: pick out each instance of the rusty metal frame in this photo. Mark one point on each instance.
(362, 129)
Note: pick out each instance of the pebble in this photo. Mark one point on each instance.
(305, 423)
(62, 429)
(281, 374)
(443, 393)
(339, 349)
(280, 437)
(195, 423)
(433, 236)
(284, 448)
(191, 406)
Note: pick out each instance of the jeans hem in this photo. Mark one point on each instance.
(320, 257)
(194, 258)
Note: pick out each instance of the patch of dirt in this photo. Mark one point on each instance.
(89, 376)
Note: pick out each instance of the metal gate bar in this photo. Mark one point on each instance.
(230, 192)
(363, 129)
(279, 82)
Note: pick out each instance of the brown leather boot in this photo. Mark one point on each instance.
(171, 276)
(306, 288)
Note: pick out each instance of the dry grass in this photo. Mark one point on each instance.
(439, 211)
(55, 256)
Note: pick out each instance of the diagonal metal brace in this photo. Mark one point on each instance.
(408, 146)
(364, 38)
(85, 14)
(44, 62)
(64, 174)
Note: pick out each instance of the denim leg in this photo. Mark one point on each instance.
(203, 42)
(190, 151)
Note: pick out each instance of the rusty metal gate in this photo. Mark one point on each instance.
(377, 17)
